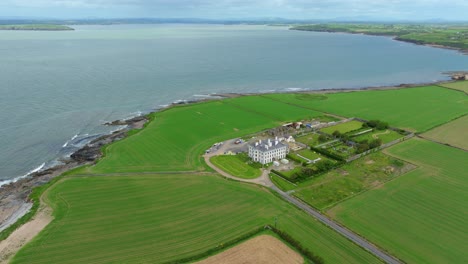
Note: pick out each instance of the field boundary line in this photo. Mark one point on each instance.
(450, 88)
(441, 143)
(439, 125)
(304, 107)
(352, 236)
(329, 207)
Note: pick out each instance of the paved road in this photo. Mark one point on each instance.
(265, 181)
(343, 231)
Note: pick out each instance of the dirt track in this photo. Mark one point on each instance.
(25, 233)
(262, 249)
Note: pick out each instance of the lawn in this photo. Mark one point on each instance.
(452, 133)
(386, 136)
(162, 218)
(281, 183)
(343, 127)
(420, 216)
(349, 180)
(177, 137)
(312, 155)
(461, 85)
(309, 139)
(417, 109)
(236, 165)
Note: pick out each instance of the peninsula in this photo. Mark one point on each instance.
(36, 27)
(453, 36)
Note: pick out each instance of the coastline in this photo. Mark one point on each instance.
(15, 196)
(396, 38)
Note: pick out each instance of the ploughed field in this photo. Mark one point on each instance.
(420, 216)
(261, 249)
(152, 198)
(161, 218)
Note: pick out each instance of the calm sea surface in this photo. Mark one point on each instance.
(57, 88)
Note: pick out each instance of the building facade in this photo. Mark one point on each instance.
(267, 151)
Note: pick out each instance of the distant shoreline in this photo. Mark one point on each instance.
(394, 37)
(36, 27)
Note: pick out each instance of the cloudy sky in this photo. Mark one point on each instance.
(222, 9)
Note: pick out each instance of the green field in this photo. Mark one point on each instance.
(309, 139)
(452, 133)
(416, 109)
(178, 136)
(343, 127)
(420, 216)
(236, 165)
(461, 85)
(386, 136)
(349, 180)
(281, 183)
(161, 218)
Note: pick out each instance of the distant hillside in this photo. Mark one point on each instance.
(38, 27)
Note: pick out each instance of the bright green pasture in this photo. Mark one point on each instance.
(309, 139)
(281, 183)
(178, 136)
(421, 217)
(161, 218)
(343, 127)
(235, 165)
(452, 133)
(416, 109)
(386, 136)
(462, 86)
(349, 180)
(258, 105)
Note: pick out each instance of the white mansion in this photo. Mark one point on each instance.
(267, 151)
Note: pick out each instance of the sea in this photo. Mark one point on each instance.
(58, 88)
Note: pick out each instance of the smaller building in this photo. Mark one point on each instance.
(267, 151)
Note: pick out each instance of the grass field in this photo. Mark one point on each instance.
(461, 85)
(452, 133)
(281, 183)
(349, 180)
(386, 136)
(236, 165)
(178, 136)
(309, 139)
(161, 218)
(417, 109)
(420, 216)
(343, 127)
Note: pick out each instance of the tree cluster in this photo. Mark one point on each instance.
(379, 125)
(365, 145)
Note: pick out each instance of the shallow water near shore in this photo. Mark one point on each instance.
(58, 88)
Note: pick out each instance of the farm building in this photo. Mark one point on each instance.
(266, 152)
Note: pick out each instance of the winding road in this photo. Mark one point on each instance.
(264, 180)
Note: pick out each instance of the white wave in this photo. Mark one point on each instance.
(24, 176)
(202, 95)
(293, 89)
(68, 142)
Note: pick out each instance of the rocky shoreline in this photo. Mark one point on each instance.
(15, 195)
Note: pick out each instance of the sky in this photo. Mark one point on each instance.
(239, 9)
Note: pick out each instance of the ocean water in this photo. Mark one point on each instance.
(58, 88)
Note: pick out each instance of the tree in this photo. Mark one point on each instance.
(375, 143)
(336, 134)
(322, 138)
